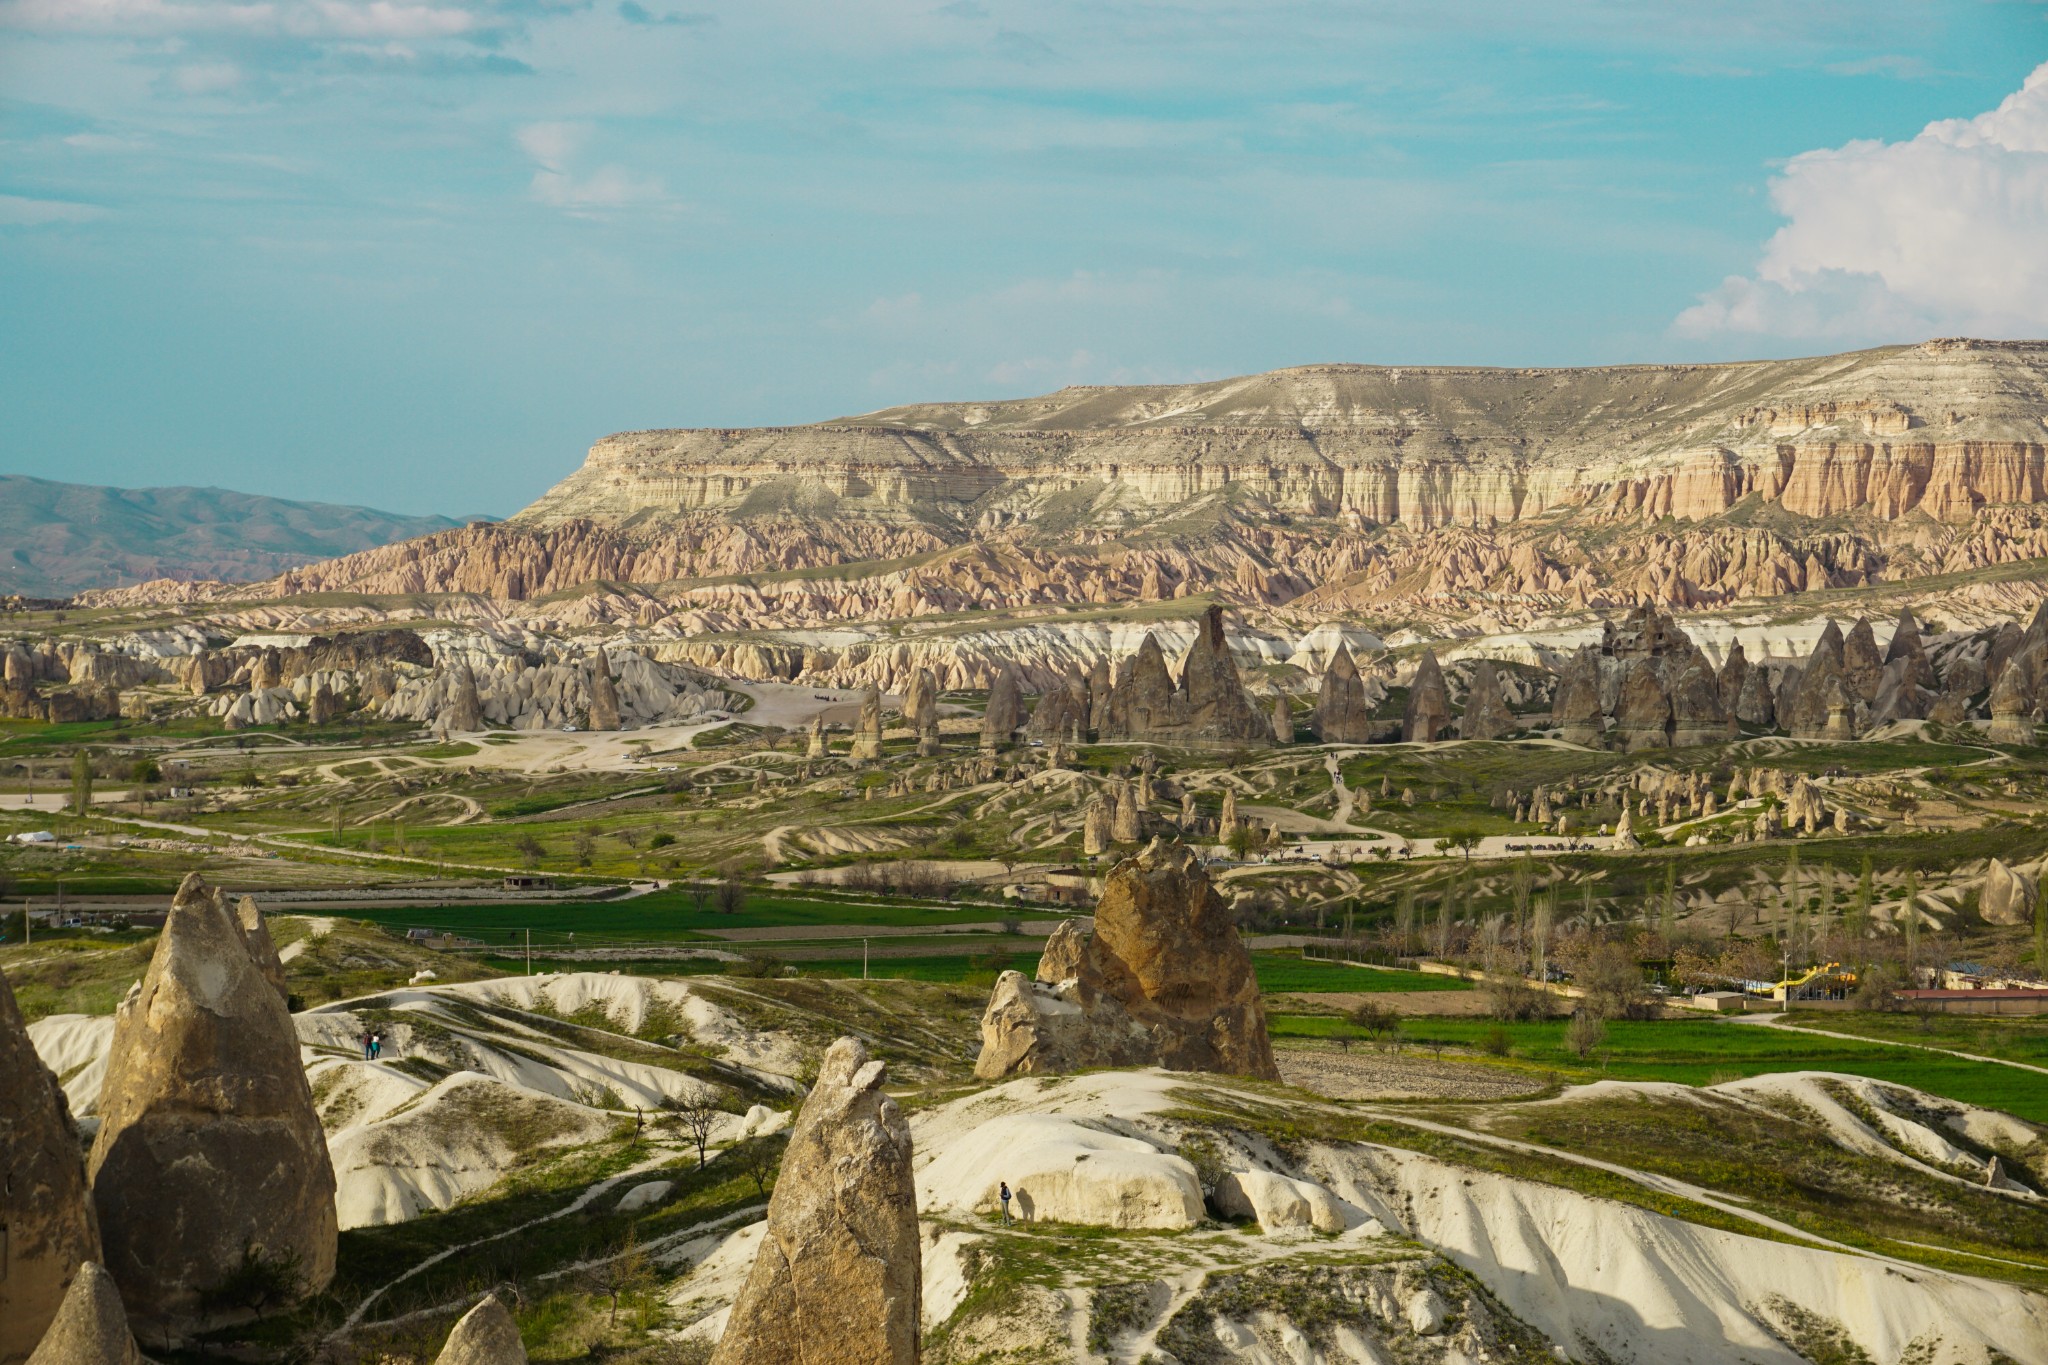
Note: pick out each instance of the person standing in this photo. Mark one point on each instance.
(1003, 1192)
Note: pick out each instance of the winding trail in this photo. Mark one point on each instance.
(1777, 1021)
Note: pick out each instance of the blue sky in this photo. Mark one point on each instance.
(420, 253)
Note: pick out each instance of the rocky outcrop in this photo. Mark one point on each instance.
(2007, 897)
(921, 701)
(604, 694)
(839, 1273)
(1005, 713)
(1428, 717)
(1486, 714)
(90, 1328)
(1645, 685)
(1343, 708)
(485, 1335)
(48, 1214)
(249, 916)
(209, 1149)
(1206, 705)
(1163, 981)
(1283, 721)
(867, 731)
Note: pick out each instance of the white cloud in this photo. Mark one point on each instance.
(207, 78)
(1945, 232)
(16, 211)
(306, 19)
(608, 189)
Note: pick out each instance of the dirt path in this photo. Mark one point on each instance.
(1777, 1021)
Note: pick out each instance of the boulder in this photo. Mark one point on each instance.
(867, 732)
(1805, 811)
(816, 746)
(2006, 896)
(91, 1327)
(1428, 717)
(485, 1335)
(209, 1149)
(1486, 705)
(839, 1272)
(1164, 981)
(1343, 710)
(1277, 1201)
(48, 1214)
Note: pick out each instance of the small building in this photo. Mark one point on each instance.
(1715, 1002)
(528, 881)
(1989, 1001)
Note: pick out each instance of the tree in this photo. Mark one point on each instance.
(1858, 919)
(731, 896)
(692, 1120)
(1464, 840)
(1613, 982)
(1584, 1034)
(1374, 1020)
(530, 849)
(758, 1160)
(81, 783)
(1667, 906)
(626, 1271)
(1911, 928)
(1539, 934)
(1523, 888)
(1240, 841)
(1404, 920)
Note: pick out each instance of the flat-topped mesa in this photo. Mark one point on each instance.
(1206, 706)
(839, 1273)
(209, 1150)
(1428, 717)
(1165, 980)
(1343, 708)
(48, 1214)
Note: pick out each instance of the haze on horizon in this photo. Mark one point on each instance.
(419, 255)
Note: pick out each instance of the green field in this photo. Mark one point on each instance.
(2013, 1039)
(1704, 1052)
(1286, 972)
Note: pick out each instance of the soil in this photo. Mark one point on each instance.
(1368, 1073)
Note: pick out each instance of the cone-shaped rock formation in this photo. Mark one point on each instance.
(209, 1150)
(485, 1335)
(90, 1328)
(48, 1207)
(838, 1276)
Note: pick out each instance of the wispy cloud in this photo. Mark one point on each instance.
(633, 12)
(604, 190)
(17, 211)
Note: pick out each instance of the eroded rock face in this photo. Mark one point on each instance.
(1164, 981)
(485, 1335)
(1429, 703)
(1005, 714)
(1486, 705)
(604, 694)
(1820, 683)
(249, 916)
(47, 1209)
(90, 1328)
(1343, 710)
(867, 732)
(1207, 705)
(2007, 897)
(209, 1147)
(839, 1273)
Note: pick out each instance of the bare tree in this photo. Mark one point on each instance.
(693, 1119)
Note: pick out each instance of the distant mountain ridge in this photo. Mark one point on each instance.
(57, 539)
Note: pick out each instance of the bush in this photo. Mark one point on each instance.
(1495, 1041)
(1613, 983)
(662, 840)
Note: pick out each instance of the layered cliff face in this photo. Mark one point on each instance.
(1432, 495)
(1944, 427)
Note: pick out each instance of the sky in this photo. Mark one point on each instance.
(419, 254)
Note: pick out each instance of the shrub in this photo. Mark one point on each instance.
(1495, 1042)
(1584, 1034)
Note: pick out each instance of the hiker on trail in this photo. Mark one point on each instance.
(365, 1040)
(376, 1046)
(1003, 1193)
